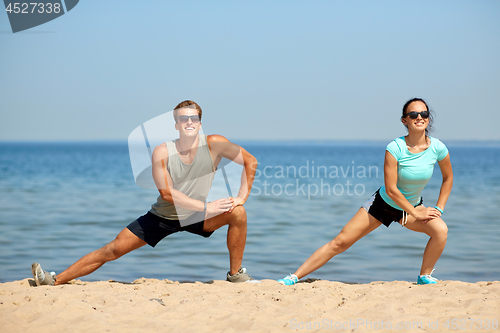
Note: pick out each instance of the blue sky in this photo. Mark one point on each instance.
(261, 70)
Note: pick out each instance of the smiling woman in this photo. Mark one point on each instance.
(409, 163)
(413, 112)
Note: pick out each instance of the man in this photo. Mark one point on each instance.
(183, 171)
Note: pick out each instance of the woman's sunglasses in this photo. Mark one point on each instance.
(414, 114)
(184, 119)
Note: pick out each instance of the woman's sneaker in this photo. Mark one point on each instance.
(241, 276)
(289, 280)
(427, 279)
(42, 277)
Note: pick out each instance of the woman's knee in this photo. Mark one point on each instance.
(443, 232)
(339, 244)
(439, 230)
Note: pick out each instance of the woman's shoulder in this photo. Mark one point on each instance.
(439, 148)
(397, 147)
(436, 142)
(397, 142)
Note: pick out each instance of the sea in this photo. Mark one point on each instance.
(62, 200)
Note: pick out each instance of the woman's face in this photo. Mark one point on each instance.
(421, 121)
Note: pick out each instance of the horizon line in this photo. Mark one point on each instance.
(451, 142)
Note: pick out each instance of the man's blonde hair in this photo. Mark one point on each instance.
(184, 104)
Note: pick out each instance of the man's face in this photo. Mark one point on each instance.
(188, 122)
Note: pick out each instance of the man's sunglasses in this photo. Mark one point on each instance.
(414, 114)
(184, 119)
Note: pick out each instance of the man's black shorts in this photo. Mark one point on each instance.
(382, 211)
(152, 228)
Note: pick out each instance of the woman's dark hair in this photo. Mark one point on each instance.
(431, 116)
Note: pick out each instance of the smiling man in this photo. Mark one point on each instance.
(183, 171)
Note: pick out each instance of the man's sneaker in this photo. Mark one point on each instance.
(289, 280)
(427, 279)
(241, 276)
(42, 277)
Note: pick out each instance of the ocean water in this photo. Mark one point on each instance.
(59, 201)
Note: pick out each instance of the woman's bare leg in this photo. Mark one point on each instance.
(437, 230)
(359, 226)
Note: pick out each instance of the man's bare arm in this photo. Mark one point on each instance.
(222, 147)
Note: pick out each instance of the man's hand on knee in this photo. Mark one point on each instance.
(237, 201)
(218, 207)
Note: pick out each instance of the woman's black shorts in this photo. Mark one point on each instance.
(382, 211)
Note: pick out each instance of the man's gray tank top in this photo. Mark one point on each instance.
(194, 180)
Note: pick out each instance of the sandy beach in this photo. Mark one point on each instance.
(149, 305)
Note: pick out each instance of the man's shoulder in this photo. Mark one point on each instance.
(216, 138)
(220, 146)
(160, 152)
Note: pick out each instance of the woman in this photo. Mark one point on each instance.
(408, 166)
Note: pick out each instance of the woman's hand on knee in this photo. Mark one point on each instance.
(425, 214)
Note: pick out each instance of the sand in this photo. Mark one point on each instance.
(149, 305)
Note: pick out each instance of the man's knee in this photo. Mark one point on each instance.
(115, 249)
(109, 251)
(238, 215)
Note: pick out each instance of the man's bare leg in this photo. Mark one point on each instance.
(125, 242)
(236, 234)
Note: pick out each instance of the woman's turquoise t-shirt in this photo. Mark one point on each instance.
(414, 170)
